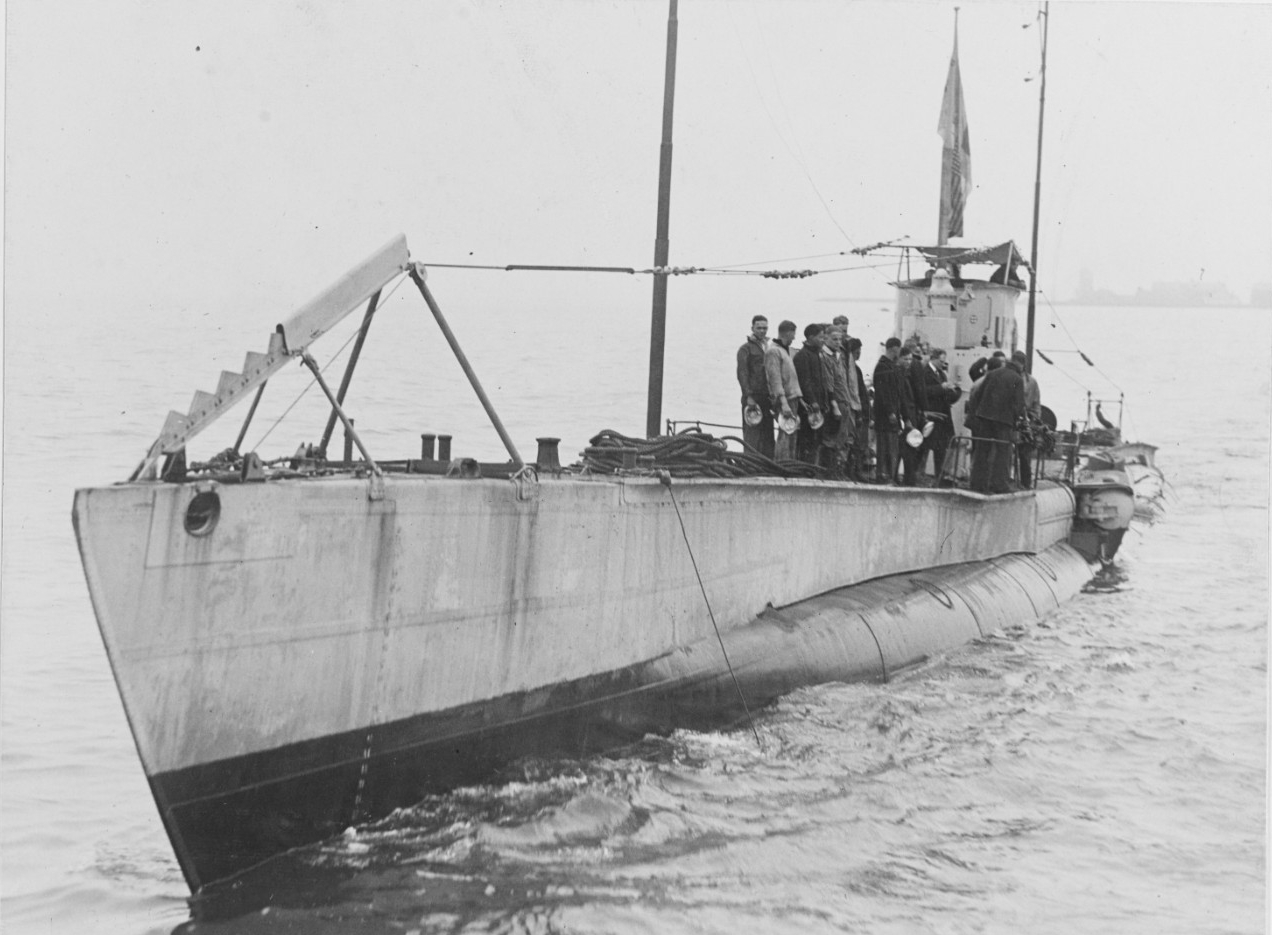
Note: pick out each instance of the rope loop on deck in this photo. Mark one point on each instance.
(689, 453)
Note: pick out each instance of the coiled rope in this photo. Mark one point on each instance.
(690, 453)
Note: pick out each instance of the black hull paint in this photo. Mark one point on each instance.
(310, 791)
(226, 817)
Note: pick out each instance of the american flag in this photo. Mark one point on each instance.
(956, 155)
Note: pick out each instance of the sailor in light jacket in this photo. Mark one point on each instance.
(779, 369)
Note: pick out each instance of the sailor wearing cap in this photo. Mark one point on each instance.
(940, 395)
(783, 387)
(757, 405)
(887, 411)
(1033, 413)
(996, 403)
(815, 392)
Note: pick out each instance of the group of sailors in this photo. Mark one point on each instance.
(815, 405)
(1004, 414)
(815, 397)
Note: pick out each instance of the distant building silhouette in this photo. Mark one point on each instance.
(1087, 294)
(1195, 294)
(1186, 294)
(1086, 286)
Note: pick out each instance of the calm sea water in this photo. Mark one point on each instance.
(1103, 771)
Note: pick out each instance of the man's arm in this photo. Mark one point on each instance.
(887, 394)
(909, 418)
(773, 376)
(863, 393)
(803, 373)
(973, 400)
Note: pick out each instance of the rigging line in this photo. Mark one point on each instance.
(1126, 417)
(767, 274)
(312, 380)
(463, 266)
(785, 259)
(786, 274)
(1105, 375)
(535, 268)
(665, 479)
(852, 269)
(299, 396)
(781, 136)
(775, 273)
(1064, 373)
(799, 155)
(1056, 316)
(667, 270)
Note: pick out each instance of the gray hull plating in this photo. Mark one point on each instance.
(870, 631)
(324, 649)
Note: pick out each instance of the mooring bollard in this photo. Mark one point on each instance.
(426, 446)
(547, 458)
(443, 447)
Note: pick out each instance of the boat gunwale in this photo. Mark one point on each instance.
(637, 480)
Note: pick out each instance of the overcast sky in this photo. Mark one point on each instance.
(160, 144)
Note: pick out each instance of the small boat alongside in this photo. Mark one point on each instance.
(1106, 506)
(1115, 482)
(1139, 462)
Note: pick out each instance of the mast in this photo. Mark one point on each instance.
(658, 324)
(1033, 258)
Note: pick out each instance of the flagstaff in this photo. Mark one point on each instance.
(1033, 253)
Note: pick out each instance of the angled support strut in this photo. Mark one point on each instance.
(348, 374)
(417, 275)
(313, 366)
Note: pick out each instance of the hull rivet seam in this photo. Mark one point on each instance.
(883, 663)
(378, 691)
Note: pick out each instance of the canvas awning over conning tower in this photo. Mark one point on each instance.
(1004, 254)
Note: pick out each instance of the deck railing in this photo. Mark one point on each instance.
(956, 471)
(1060, 463)
(675, 426)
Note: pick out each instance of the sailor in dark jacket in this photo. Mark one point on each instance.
(816, 394)
(918, 387)
(915, 393)
(911, 418)
(993, 406)
(887, 411)
(940, 395)
(982, 365)
(754, 386)
(859, 402)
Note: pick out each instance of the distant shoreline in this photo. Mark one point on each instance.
(1132, 303)
(1117, 303)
